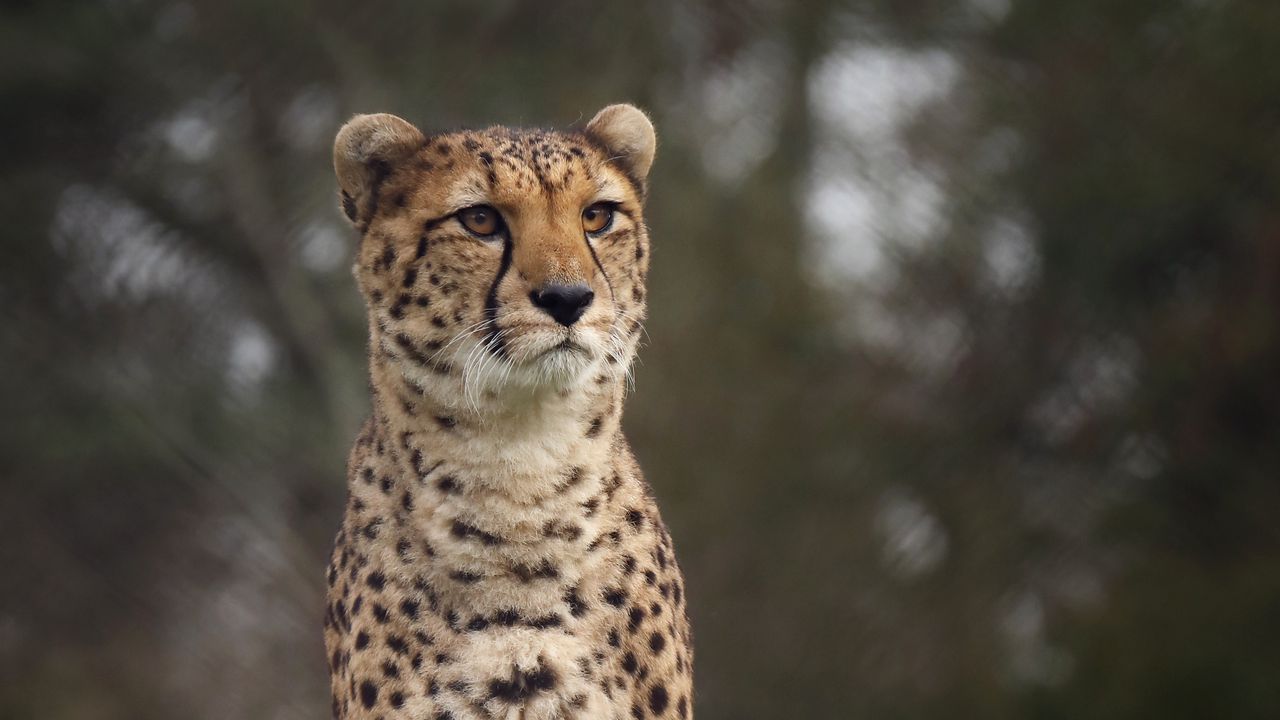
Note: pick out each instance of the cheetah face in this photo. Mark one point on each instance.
(500, 258)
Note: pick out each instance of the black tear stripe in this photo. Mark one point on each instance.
(603, 274)
(491, 301)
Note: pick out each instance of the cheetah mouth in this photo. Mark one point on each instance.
(541, 341)
(567, 345)
(566, 349)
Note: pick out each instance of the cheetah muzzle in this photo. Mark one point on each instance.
(501, 555)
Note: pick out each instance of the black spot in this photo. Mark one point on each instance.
(506, 618)
(465, 577)
(447, 484)
(546, 622)
(478, 624)
(614, 640)
(487, 159)
(658, 698)
(397, 699)
(593, 429)
(577, 608)
(368, 693)
(340, 612)
(657, 642)
(422, 247)
(636, 518)
(636, 617)
(446, 422)
(565, 531)
(410, 277)
(376, 580)
(362, 640)
(615, 597)
(523, 685)
(390, 670)
(573, 478)
(380, 613)
(464, 531)
(629, 663)
(409, 608)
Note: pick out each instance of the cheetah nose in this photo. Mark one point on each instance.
(565, 303)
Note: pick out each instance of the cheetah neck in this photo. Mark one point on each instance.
(508, 477)
(520, 442)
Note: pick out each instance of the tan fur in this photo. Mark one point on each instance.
(501, 555)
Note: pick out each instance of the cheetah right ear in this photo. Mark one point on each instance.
(625, 131)
(364, 152)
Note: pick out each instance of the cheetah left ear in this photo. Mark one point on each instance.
(627, 134)
(364, 152)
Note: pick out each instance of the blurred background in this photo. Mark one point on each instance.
(961, 398)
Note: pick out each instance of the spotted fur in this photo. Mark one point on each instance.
(501, 555)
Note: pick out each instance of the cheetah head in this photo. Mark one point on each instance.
(501, 258)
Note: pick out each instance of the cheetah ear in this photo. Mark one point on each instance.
(364, 152)
(627, 134)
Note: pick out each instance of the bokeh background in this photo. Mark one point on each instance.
(962, 388)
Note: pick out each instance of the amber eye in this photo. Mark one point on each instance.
(598, 217)
(481, 220)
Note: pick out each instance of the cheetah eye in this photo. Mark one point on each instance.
(481, 220)
(598, 217)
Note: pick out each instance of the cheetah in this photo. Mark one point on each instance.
(501, 555)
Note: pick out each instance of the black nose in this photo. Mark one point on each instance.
(565, 303)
